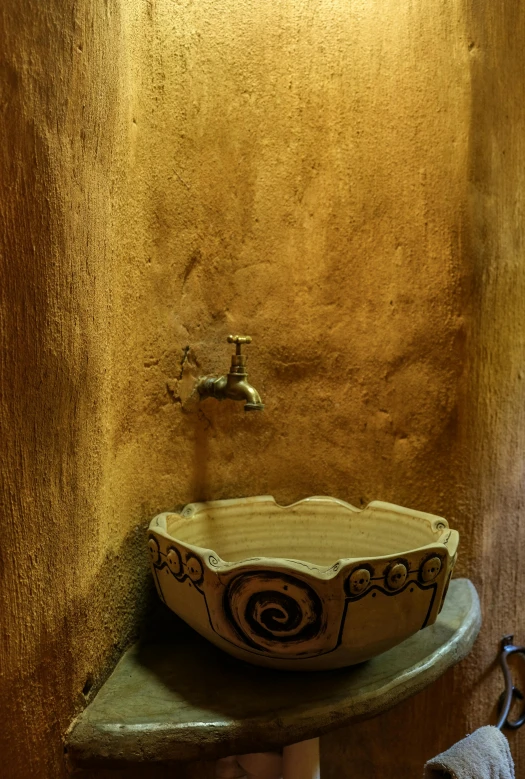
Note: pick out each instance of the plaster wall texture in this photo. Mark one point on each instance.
(61, 561)
(342, 181)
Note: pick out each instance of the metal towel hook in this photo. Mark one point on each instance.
(511, 692)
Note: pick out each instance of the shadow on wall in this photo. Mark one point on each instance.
(130, 567)
(115, 621)
(200, 458)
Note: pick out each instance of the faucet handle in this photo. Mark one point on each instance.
(239, 340)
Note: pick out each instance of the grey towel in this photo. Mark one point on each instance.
(483, 755)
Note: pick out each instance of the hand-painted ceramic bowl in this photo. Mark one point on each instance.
(318, 584)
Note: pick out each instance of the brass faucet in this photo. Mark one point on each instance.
(234, 385)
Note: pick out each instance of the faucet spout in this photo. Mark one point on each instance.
(233, 387)
(242, 390)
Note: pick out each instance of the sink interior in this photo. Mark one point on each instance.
(316, 530)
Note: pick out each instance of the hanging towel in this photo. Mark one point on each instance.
(483, 755)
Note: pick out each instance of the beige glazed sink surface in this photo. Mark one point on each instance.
(315, 585)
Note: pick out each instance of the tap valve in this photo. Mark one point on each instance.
(235, 385)
(238, 365)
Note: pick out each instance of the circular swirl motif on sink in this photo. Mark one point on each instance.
(273, 611)
(396, 575)
(358, 581)
(430, 569)
(194, 568)
(154, 550)
(174, 561)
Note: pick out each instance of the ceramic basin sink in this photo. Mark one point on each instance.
(315, 585)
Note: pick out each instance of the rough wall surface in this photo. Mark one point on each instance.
(488, 442)
(343, 181)
(72, 585)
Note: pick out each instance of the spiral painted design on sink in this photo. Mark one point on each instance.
(274, 611)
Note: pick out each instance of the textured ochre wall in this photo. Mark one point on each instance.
(297, 173)
(71, 571)
(341, 180)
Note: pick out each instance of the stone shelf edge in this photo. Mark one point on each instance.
(183, 699)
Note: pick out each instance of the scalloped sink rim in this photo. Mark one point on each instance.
(313, 585)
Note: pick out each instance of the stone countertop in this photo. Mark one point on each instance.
(183, 699)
